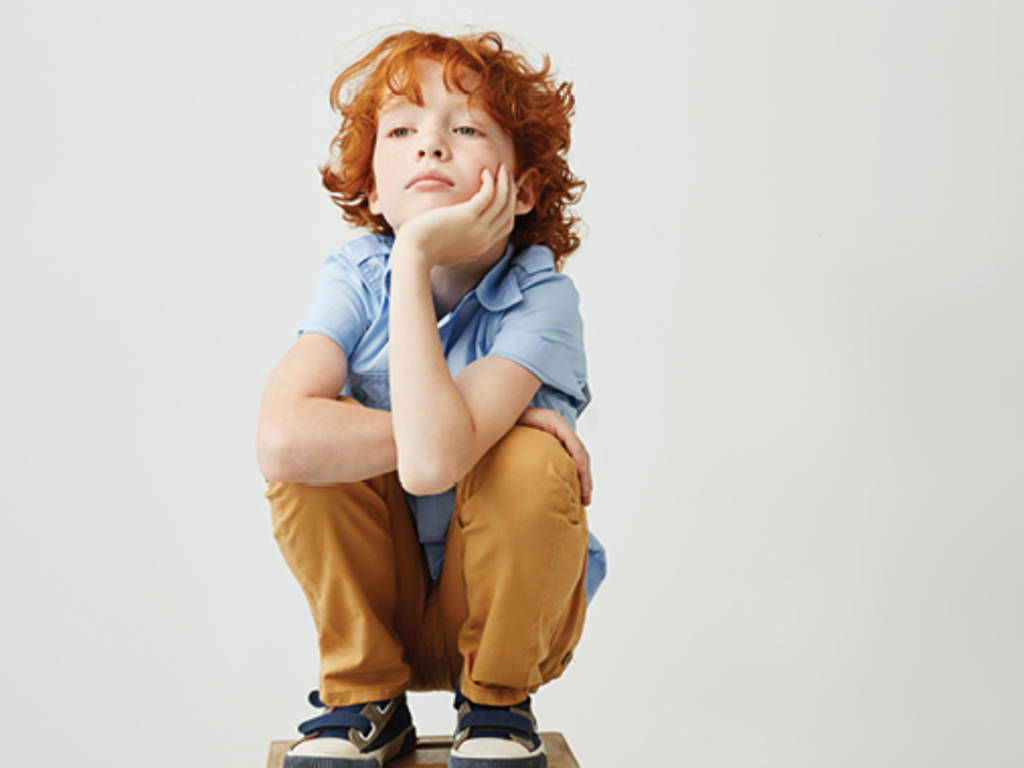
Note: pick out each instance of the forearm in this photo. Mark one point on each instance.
(333, 441)
(430, 417)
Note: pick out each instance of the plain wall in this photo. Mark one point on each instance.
(801, 284)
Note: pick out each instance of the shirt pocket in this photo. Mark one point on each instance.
(371, 388)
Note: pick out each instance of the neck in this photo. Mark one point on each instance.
(450, 284)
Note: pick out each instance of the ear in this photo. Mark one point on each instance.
(526, 191)
(372, 198)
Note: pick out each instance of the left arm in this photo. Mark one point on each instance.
(442, 425)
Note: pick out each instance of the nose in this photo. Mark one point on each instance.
(431, 143)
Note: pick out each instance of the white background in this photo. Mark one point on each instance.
(802, 291)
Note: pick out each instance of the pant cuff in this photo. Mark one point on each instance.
(348, 696)
(495, 696)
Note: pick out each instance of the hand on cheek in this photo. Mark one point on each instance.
(454, 234)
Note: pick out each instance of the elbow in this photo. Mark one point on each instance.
(425, 478)
(275, 456)
(434, 468)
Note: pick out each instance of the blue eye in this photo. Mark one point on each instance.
(394, 132)
(473, 130)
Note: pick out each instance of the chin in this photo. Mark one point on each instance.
(426, 206)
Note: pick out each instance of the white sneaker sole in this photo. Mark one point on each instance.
(375, 759)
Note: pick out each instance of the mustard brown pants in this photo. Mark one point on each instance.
(508, 609)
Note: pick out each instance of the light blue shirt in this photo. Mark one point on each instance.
(522, 309)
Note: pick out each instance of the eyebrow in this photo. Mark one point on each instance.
(477, 114)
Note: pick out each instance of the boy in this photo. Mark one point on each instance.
(439, 534)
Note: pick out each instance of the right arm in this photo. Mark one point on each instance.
(307, 435)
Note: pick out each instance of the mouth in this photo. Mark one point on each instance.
(430, 180)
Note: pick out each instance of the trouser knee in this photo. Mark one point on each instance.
(336, 507)
(527, 474)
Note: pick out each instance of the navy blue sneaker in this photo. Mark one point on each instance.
(495, 737)
(354, 736)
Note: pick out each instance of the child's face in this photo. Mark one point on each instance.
(444, 137)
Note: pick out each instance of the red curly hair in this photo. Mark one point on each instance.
(529, 105)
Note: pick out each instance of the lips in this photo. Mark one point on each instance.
(431, 176)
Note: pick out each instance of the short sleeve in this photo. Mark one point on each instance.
(340, 308)
(543, 332)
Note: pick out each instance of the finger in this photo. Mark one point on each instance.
(531, 418)
(478, 202)
(483, 197)
(584, 478)
(513, 192)
(534, 417)
(537, 418)
(578, 454)
(505, 211)
(589, 483)
(583, 464)
(568, 440)
(500, 194)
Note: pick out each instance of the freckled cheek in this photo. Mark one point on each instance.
(384, 172)
(490, 162)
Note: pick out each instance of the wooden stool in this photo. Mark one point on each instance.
(432, 752)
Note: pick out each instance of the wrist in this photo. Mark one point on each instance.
(406, 254)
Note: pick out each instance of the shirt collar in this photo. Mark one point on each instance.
(497, 290)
